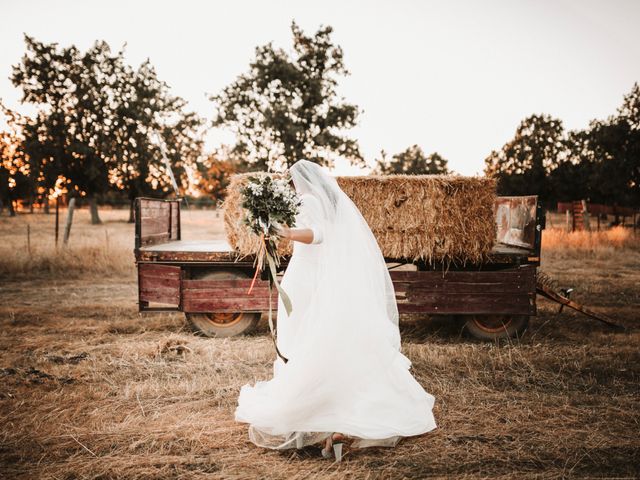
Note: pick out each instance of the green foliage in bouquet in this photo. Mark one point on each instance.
(268, 202)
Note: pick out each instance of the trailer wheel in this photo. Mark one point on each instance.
(222, 324)
(492, 327)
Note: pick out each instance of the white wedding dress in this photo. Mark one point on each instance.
(345, 372)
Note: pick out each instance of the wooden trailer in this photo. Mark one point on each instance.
(206, 281)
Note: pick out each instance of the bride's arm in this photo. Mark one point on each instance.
(311, 215)
(304, 235)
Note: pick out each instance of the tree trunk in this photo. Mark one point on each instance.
(46, 204)
(12, 209)
(585, 216)
(93, 208)
(131, 210)
(67, 226)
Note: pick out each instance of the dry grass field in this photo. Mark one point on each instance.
(91, 389)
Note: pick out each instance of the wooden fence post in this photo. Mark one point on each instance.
(585, 216)
(29, 239)
(57, 218)
(67, 227)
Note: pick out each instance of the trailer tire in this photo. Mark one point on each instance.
(493, 327)
(222, 324)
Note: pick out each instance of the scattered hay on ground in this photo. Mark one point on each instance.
(89, 388)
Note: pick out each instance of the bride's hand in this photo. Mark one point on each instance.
(282, 231)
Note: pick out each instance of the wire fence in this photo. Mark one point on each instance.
(26, 206)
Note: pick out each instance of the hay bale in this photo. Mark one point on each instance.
(427, 217)
(416, 217)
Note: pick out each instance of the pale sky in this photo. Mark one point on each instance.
(454, 77)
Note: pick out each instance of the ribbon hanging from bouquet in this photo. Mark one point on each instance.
(269, 202)
(267, 254)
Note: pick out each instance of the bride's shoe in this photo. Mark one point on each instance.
(336, 441)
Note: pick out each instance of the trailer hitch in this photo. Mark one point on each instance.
(563, 299)
(566, 293)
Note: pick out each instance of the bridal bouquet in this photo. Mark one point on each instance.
(269, 203)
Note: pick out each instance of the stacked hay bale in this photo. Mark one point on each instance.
(427, 217)
(446, 218)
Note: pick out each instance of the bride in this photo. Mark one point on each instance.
(345, 379)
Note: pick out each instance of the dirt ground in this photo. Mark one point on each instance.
(89, 388)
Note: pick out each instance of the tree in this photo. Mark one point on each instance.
(101, 124)
(412, 161)
(605, 154)
(149, 124)
(523, 164)
(605, 158)
(600, 164)
(629, 114)
(68, 89)
(286, 107)
(615, 147)
(214, 175)
(572, 179)
(16, 181)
